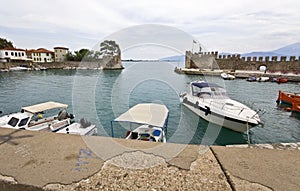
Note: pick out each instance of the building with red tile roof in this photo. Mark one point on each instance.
(10, 54)
(40, 55)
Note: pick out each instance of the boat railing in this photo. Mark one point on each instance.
(41, 121)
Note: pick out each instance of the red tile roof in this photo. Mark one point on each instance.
(12, 48)
(60, 47)
(39, 50)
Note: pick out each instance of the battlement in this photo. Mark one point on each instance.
(211, 60)
(260, 58)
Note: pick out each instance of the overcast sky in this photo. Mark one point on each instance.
(227, 26)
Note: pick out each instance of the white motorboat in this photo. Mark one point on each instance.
(263, 79)
(31, 118)
(210, 102)
(19, 68)
(151, 118)
(82, 128)
(227, 76)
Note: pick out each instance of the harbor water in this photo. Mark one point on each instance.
(100, 96)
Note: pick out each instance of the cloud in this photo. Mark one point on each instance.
(219, 25)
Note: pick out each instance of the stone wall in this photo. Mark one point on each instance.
(106, 63)
(236, 62)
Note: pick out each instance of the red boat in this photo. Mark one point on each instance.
(287, 98)
(296, 106)
(280, 80)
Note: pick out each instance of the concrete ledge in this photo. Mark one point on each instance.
(48, 161)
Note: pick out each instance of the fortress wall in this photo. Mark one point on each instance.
(211, 60)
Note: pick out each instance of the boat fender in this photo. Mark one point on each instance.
(127, 133)
(197, 104)
(207, 111)
(288, 109)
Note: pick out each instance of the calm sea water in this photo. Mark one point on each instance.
(100, 96)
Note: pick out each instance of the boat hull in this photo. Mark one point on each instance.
(224, 121)
(287, 98)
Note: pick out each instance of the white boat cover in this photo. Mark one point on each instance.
(146, 113)
(44, 106)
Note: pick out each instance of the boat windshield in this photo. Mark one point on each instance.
(13, 121)
(209, 92)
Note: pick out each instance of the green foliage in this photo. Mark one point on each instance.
(5, 43)
(109, 47)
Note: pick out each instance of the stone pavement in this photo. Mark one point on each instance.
(49, 161)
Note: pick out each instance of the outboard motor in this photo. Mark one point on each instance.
(62, 115)
(84, 123)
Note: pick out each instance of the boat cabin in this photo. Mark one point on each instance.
(207, 90)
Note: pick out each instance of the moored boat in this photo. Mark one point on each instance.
(82, 128)
(227, 76)
(151, 119)
(35, 118)
(19, 68)
(210, 102)
(296, 106)
(280, 80)
(32, 117)
(287, 98)
(251, 79)
(262, 79)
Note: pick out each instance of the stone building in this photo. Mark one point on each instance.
(60, 54)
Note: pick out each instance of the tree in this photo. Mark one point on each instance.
(5, 43)
(79, 55)
(70, 56)
(109, 47)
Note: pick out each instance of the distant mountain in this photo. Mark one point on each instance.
(258, 54)
(289, 50)
(177, 58)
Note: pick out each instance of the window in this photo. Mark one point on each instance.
(12, 53)
(23, 122)
(16, 54)
(6, 53)
(19, 54)
(22, 53)
(47, 54)
(13, 121)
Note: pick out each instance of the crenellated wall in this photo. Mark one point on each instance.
(211, 60)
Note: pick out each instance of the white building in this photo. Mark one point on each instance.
(40, 55)
(60, 54)
(12, 54)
